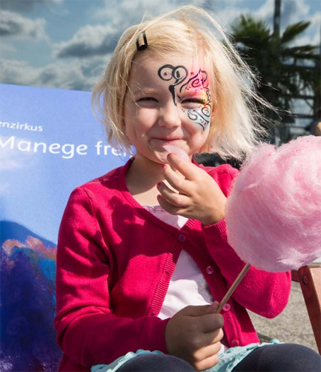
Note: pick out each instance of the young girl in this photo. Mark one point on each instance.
(143, 252)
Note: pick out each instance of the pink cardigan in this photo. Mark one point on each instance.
(114, 263)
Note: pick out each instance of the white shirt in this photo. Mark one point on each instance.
(187, 285)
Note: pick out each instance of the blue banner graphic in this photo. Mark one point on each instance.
(50, 143)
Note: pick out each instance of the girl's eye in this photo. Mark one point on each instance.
(148, 102)
(147, 99)
(193, 102)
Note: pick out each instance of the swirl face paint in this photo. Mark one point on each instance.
(193, 95)
(169, 72)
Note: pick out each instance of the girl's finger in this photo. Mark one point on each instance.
(210, 361)
(207, 356)
(211, 323)
(174, 198)
(176, 179)
(189, 170)
(170, 208)
(216, 336)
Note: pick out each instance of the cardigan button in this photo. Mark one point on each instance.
(181, 238)
(209, 270)
(227, 307)
(235, 342)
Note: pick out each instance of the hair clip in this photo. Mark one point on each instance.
(144, 45)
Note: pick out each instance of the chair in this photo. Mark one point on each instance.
(309, 277)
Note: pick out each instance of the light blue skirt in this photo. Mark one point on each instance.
(228, 360)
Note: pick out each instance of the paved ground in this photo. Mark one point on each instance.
(292, 325)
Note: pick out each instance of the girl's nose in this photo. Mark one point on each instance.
(169, 116)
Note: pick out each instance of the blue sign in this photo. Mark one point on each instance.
(50, 143)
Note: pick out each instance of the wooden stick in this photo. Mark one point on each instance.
(233, 287)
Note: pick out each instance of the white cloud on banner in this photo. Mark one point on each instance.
(13, 24)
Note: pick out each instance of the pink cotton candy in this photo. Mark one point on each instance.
(273, 214)
(178, 151)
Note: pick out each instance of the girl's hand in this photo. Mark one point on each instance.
(194, 334)
(193, 193)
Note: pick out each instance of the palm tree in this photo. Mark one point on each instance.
(285, 71)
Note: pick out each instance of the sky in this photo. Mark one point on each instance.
(67, 43)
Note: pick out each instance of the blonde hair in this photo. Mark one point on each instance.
(234, 128)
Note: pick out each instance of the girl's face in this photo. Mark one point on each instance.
(168, 102)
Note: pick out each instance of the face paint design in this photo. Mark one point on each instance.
(199, 82)
(201, 114)
(169, 72)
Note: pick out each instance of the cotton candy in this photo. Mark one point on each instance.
(273, 214)
(178, 151)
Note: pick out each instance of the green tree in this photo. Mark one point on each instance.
(285, 71)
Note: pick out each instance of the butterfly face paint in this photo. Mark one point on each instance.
(193, 95)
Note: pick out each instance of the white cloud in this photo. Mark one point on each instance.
(13, 24)
(65, 76)
(315, 28)
(265, 11)
(228, 15)
(78, 75)
(101, 39)
(16, 72)
(89, 41)
(294, 11)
